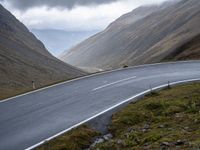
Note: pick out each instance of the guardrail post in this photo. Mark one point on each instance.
(33, 85)
(151, 89)
(168, 85)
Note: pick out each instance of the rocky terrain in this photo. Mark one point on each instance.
(23, 59)
(148, 34)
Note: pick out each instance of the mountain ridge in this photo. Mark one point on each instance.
(150, 39)
(23, 59)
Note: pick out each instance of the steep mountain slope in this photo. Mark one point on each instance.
(24, 59)
(187, 51)
(153, 37)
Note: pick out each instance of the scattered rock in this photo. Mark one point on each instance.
(108, 136)
(191, 144)
(161, 126)
(169, 129)
(179, 142)
(147, 147)
(144, 130)
(146, 144)
(146, 126)
(165, 143)
(186, 128)
(179, 115)
(99, 140)
(131, 129)
(126, 135)
(120, 142)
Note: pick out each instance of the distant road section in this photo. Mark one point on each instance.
(29, 119)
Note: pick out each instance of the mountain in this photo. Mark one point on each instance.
(23, 59)
(148, 34)
(57, 41)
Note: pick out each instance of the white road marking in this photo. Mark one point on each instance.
(106, 85)
(110, 108)
(95, 74)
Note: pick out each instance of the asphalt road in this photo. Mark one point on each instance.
(29, 119)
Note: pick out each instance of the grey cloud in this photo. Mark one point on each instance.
(26, 4)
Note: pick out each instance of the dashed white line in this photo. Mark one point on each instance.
(110, 108)
(106, 85)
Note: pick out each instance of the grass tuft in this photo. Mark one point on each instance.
(169, 119)
(77, 139)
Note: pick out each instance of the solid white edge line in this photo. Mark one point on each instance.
(106, 85)
(95, 74)
(115, 106)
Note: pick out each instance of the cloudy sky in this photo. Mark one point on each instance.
(71, 15)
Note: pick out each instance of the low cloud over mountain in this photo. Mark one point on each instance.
(146, 35)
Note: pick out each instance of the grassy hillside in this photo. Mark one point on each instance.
(148, 34)
(188, 51)
(169, 119)
(23, 59)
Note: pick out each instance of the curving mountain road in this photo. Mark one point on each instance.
(31, 118)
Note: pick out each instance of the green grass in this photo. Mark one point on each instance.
(163, 117)
(167, 116)
(77, 139)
